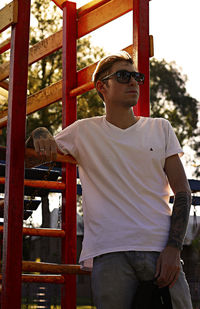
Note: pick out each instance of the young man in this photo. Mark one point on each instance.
(126, 164)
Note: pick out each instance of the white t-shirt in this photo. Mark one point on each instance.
(125, 189)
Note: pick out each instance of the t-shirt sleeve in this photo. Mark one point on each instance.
(66, 140)
(172, 144)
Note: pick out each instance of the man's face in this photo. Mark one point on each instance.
(115, 93)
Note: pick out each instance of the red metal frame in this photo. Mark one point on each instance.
(4, 47)
(69, 170)
(141, 52)
(74, 24)
(14, 187)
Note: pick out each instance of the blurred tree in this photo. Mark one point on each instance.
(169, 99)
(197, 155)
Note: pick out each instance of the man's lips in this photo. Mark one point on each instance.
(132, 91)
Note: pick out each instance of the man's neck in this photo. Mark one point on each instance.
(122, 120)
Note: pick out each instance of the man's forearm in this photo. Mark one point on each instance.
(179, 219)
(31, 161)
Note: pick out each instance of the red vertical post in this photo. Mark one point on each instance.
(69, 171)
(14, 186)
(141, 52)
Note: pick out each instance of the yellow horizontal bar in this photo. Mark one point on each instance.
(90, 6)
(8, 15)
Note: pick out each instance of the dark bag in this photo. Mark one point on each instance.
(149, 296)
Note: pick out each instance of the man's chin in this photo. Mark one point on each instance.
(132, 103)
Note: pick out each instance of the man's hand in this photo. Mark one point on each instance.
(44, 144)
(168, 267)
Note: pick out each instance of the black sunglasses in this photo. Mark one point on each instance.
(123, 77)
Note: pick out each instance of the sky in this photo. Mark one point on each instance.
(174, 25)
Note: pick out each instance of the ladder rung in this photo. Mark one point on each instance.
(81, 89)
(58, 279)
(44, 232)
(50, 268)
(41, 232)
(29, 152)
(43, 184)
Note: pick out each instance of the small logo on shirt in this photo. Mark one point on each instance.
(151, 149)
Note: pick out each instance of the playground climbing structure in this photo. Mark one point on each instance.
(76, 24)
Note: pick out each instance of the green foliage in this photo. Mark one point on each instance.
(197, 150)
(47, 19)
(169, 99)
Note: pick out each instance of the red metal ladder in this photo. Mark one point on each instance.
(76, 23)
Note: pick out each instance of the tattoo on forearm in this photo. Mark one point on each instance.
(40, 132)
(179, 219)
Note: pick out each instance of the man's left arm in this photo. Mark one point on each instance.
(168, 265)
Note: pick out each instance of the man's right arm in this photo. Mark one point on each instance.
(45, 146)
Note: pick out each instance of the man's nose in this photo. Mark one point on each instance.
(133, 81)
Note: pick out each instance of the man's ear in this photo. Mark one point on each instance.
(100, 86)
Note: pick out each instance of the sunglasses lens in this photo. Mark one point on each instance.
(139, 77)
(123, 76)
